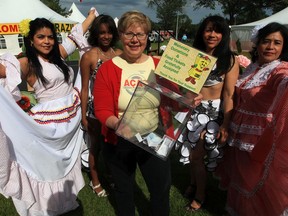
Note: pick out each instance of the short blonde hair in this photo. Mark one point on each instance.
(134, 17)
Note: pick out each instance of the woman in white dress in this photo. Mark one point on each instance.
(40, 167)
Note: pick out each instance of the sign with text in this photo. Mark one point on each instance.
(185, 65)
(13, 28)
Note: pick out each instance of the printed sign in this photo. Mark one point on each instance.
(185, 65)
(13, 28)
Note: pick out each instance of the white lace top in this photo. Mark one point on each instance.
(255, 75)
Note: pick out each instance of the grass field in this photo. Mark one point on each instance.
(91, 205)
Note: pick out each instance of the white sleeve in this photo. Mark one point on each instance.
(69, 45)
(79, 39)
(13, 75)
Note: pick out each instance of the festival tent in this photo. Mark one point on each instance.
(76, 15)
(13, 11)
(243, 32)
(116, 21)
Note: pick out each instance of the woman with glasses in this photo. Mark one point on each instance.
(112, 91)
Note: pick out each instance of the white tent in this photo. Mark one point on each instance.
(76, 15)
(116, 21)
(243, 32)
(13, 11)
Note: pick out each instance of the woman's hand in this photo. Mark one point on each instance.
(196, 99)
(222, 135)
(85, 123)
(124, 131)
(93, 11)
(2, 71)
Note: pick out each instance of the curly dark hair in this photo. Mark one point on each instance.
(222, 51)
(54, 56)
(264, 32)
(94, 30)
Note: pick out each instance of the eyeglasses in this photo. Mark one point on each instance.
(130, 35)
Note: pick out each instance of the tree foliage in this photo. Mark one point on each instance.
(185, 26)
(55, 6)
(167, 11)
(244, 11)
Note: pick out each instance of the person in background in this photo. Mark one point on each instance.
(254, 168)
(103, 35)
(215, 109)
(148, 45)
(111, 97)
(184, 38)
(41, 169)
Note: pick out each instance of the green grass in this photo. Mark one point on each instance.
(91, 205)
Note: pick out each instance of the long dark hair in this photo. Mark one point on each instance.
(264, 32)
(95, 27)
(54, 56)
(222, 51)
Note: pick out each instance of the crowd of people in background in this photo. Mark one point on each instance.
(40, 166)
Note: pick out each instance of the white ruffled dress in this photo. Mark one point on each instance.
(39, 166)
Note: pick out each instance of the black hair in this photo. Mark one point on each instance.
(222, 51)
(54, 56)
(264, 32)
(95, 27)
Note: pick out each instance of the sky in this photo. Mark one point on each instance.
(116, 8)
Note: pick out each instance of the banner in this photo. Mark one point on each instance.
(13, 28)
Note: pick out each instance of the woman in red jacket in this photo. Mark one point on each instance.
(115, 83)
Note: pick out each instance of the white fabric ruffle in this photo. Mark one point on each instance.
(13, 76)
(78, 36)
(33, 197)
(40, 163)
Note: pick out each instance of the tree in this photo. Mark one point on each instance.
(244, 11)
(55, 6)
(167, 11)
(186, 27)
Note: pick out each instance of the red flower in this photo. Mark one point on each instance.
(24, 103)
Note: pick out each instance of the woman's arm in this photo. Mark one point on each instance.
(227, 97)
(2, 71)
(69, 45)
(104, 99)
(92, 14)
(85, 68)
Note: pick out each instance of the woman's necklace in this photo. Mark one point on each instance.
(106, 56)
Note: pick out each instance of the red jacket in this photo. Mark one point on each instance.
(106, 94)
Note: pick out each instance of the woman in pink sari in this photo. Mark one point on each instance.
(254, 167)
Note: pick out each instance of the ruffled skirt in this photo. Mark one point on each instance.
(254, 187)
(40, 167)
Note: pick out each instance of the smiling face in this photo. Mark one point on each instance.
(43, 41)
(133, 47)
(105, 35)
(270, 48)
(211, 38)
